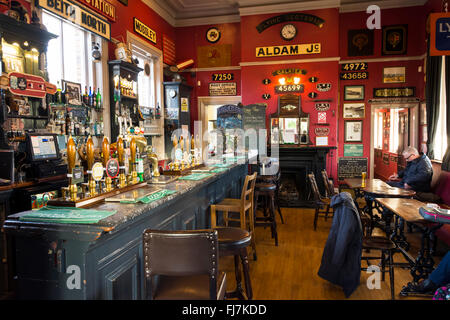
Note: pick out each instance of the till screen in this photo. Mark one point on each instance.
(44, 147)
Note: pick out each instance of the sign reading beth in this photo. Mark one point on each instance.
(440, 34)
(292, 50)
(78, 15)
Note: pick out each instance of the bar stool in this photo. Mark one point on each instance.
(267, 191)
(234, 241)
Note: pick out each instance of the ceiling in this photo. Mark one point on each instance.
(200, 12)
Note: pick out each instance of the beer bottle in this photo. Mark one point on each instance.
(98, 100)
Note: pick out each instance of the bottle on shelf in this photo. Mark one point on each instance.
(91, 98)
(98, 100)
(58, 93)
(86, 96)
(68, 125)
(158, 112)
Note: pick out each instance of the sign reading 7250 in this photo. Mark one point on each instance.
(222, 76)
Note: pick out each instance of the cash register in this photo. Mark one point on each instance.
(44, 156)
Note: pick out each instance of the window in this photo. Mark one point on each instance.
(394, 134)
(68, 56)
(378, 130)
(440, 140)
(146, 81)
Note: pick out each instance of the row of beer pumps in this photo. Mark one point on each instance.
(104, 176)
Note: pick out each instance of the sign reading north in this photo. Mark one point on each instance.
(290, 50)
(144, 31)
(78, 15)
(440, 34)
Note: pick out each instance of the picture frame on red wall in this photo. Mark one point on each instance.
(353, 131)
(395, 39)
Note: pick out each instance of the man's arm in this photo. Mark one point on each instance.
(422, 174)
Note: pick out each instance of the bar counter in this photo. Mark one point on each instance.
(108, 254)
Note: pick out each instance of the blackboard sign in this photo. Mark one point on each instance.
(255, 116)
(351, 167)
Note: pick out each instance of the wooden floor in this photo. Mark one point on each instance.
(289, 271)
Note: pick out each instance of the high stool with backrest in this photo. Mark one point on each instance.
(319, 201)
(266, 191)
(182, 265)
(234, 241)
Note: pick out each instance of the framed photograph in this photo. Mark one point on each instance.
(354, 92)
(353, 131)
(73, 92)
(394, 39)
(353, 111)
(394, 75)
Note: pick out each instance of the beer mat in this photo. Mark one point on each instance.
(221, 165)
(195, 176)
(66, 215)
(133, 195)
(151, 197)
(218, 170)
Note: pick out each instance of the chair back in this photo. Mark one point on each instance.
(329, 187)
(314, 188)
(248, 190)
(181, 253)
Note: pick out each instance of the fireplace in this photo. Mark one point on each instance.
(295, 164)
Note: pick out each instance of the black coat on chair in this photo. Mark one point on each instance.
(341, 259)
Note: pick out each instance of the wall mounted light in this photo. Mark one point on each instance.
(282, 81)
(296, 80)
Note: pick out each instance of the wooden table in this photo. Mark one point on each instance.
(408, 210)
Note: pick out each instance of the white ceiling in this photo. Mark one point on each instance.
(201, 12)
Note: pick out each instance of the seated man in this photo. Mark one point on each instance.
(417, 174)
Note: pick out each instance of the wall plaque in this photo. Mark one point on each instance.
(322, 106)
(394, 92)
(144, 30)
(222, 89)
(286, 88)
(351, 167)
(299, 17)
(354, 75)
(291, 50)
(353, 150)
(322, 132)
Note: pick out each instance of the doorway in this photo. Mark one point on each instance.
(395, 126)
(207, 114)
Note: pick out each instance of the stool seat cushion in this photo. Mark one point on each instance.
(377, 242)
(232, 238)
(265, 187)
(188, 287)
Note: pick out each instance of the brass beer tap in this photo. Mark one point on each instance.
(134, 177)
(105, 151)
(71, 155)
(121, 158)
(90, 164)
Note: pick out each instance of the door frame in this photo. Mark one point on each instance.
(203, 101)
(413, 125)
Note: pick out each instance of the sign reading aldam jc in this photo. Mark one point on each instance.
(78, 15)
(440, 34)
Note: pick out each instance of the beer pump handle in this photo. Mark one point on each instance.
(90, 153)
(120, 151)
(105, 151)
(133, 150)
(71, 154)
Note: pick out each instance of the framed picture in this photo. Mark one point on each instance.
(73, 92)
(353, 131)
(354, 92)
(353, 111)
(394, 75)
(360, 42)
(394, 39)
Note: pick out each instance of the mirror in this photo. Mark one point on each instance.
(289, 130)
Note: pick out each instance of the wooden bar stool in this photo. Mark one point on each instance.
(267, 192)
(234, 241)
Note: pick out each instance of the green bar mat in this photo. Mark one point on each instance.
(221, 165)
(218, 170)
(195, 176)
(66, 215)
(153, 197)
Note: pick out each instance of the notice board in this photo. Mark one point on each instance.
(351, 167)
(254, 117)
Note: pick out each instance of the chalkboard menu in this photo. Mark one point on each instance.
(255, 116)
(351, 167)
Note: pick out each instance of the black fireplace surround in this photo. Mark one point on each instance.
(296, 163)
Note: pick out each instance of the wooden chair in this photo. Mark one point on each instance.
(182, 265)
(330, 190)
(380, 243)
(243, 206)
(319, 201)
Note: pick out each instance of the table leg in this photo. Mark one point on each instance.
(424, 263)
(398, 235)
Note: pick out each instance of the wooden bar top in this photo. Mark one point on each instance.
(408, 209)
(26, 184)
(378, 187)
